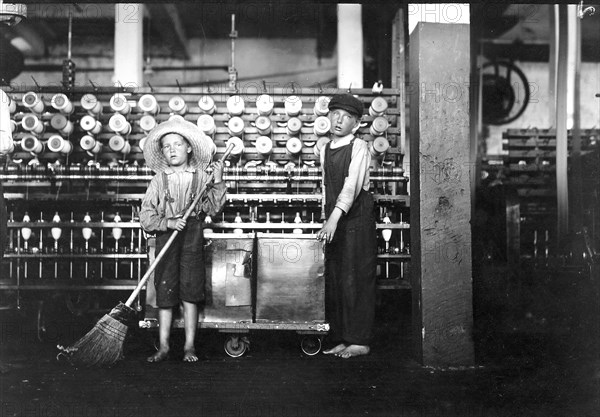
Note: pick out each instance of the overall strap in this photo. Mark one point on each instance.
(194, 188)
(168, 198)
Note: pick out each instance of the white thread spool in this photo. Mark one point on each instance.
(147, 122)
(148, 104)
(292, 105)
(142, 143)
(177, 105)
(90, 145)
(379, 125)
(207, 105)
(206, 123)
(235, 105)
(119, 124)
(33, 102)
(264, 104)
(86, 231)
(293, 146)
(62, 103)
(263, 125)
(117, 232)
(176, 117)
(118, 103)
(56, 232)
(238, 145)
(58, 144)
(294, 125)
(32, 123)
(321, 107)
(26, 234)
(118, 144)
(236, 126)
(322, 126)
(90, 125)
(12, 105)
(321, 142)
(378, 106)
(61, 124)
(379, 146)
(30, 143)
(13, 126)
(91, 104)
(6, 139)
(264, 145)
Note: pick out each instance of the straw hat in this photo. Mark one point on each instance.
(203, 148)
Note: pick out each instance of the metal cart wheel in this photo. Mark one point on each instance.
(235, 346)
(311, 345)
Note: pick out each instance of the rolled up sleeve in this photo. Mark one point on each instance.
(214, 200)
(151, 218)
(357, 176)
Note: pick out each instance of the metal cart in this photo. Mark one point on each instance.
(259, 281)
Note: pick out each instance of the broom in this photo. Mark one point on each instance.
(103, 345)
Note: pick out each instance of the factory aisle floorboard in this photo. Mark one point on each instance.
(519, 373)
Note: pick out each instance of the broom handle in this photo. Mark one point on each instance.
(162, 252)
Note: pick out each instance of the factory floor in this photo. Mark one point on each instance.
(531, 360)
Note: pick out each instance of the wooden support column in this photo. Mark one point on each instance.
(129, 52)
(440, 188)
(561, 98)
(399, 78)
(577, 213)
(350, 46)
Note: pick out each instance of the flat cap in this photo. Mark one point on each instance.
(347, 102)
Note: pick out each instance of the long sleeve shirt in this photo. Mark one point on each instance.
(156, 210)
(358, 172)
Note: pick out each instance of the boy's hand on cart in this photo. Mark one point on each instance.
(176, 224)
(330, 226)
(327, 232)
(217, 169)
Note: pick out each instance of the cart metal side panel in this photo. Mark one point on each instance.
(290, 279)
(228, 278)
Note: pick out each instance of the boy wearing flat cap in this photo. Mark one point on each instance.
(179, 153)
(349, 231)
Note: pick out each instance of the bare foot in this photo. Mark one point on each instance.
(189, 355)
(159, 356)
(335, 350)
(354, 350)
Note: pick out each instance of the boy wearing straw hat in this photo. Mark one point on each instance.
(179, 153)
(349, 232)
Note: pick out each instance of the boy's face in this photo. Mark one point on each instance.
(175, 149)
(342, 122)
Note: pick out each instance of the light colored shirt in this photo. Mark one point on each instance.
(156, 210)
(358, 172)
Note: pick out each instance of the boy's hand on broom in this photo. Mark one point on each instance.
(217, 170)
(176, 224)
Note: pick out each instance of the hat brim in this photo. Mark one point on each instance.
(203, 148)
(349, 109)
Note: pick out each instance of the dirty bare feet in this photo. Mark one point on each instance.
(335, 350)
(189, 355)
(159, 356)
(353, 350)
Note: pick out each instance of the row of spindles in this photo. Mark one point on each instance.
(64, 242)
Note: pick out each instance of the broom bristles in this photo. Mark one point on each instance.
(103, 345)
